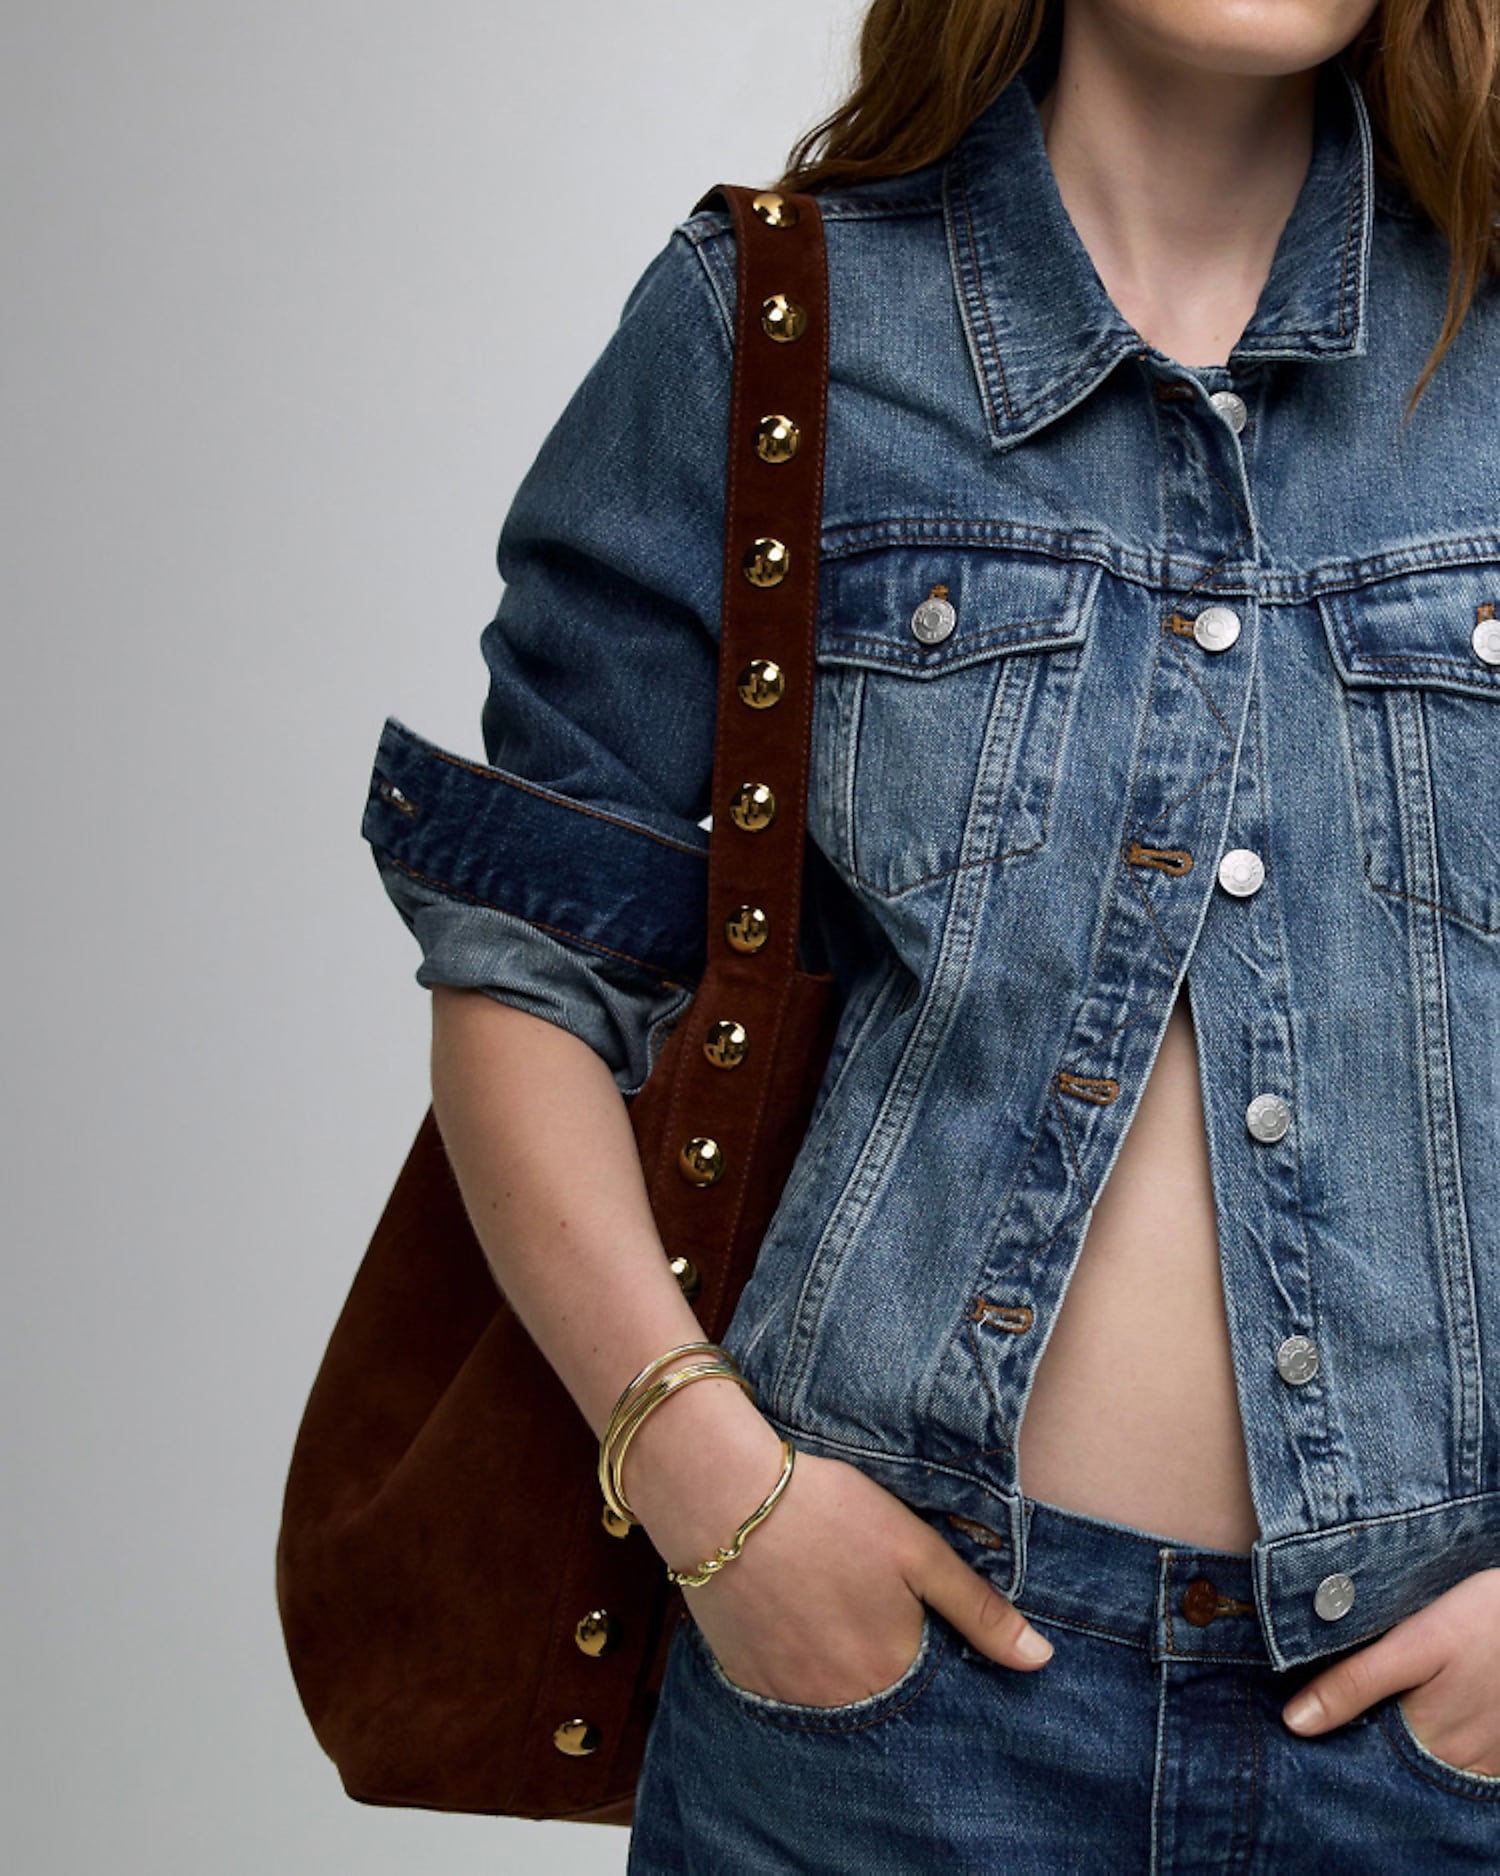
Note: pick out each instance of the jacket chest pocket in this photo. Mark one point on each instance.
(1419, 656)
(945, 687)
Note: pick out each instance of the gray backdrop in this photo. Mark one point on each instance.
(292, 293)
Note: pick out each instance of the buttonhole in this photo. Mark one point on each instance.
(1175, 860)
(1014, 1318)
(403, 804)
(981, 1533)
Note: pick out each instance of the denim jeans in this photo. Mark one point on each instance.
(1151, 1741)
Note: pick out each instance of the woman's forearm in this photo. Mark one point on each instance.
(545, 1155)
(541, 1144)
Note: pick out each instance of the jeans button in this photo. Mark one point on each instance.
(1200, 1602)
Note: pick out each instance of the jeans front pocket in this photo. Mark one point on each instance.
(848, 1716)
(1425, 1763)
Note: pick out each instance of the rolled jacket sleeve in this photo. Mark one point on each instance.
(567, 873)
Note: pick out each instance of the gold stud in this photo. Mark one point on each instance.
(753, 807)
(766, 561)
(727, 1043)
(614, 1523)
(776, 438)
(774, 210)
(761, 683)
(747, 928)
(578, 1738)
(597, 1632)
(689, 1278)
(782, 318)
(701, 1161)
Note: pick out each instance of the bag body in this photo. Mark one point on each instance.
(466, 1631)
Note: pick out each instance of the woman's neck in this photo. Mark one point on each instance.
(1178, 179)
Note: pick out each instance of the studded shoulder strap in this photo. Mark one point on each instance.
(721, 1115)
(773, 523)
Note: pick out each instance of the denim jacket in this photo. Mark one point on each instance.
(1210, 695)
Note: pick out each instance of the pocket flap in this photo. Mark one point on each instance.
(1418, 628)
(1002, 602)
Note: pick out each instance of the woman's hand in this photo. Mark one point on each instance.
(824, 1603)
(1445, 1663)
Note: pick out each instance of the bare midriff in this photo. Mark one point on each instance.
(1133, 1415)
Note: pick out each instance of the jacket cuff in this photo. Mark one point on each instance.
(576, 914)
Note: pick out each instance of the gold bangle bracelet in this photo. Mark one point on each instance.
(612, 1425)
(613, 1448)
(617, 1413)
(682, 1348)
(728, 1553)
(637, 1413)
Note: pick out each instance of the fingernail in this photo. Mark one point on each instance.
(1305, 1710)
(1031, 1646)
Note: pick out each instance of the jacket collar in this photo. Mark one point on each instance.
(1042, 331)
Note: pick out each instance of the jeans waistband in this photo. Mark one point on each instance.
(1178, 1601)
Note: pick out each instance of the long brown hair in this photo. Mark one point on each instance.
(1428, 70)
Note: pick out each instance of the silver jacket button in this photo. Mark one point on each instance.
(933, 620)
(1216, 627)
(1268, 1117)
(1485, 639)
(1334, 1596)
(1231, 407)
(1297, 1359)
(1241, 872)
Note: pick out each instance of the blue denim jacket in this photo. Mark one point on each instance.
(1212, 696)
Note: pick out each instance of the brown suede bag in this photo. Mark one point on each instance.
(465, 1631)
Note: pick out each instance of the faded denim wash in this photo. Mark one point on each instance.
(1148, 1743)
(1016, 834)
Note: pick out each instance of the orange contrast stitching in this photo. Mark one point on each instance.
(1014, 1317)
(1175, 860)
(981, 1533)
(1099, 1089)
(671, 983)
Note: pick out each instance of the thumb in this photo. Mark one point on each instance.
(989, 1620)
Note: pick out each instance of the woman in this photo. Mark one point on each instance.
(1153, 824)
